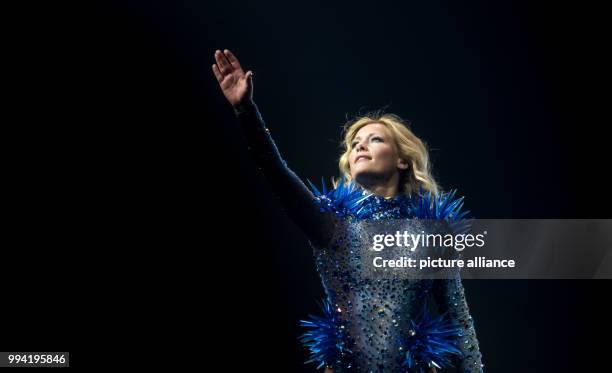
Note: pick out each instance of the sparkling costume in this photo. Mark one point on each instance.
(369, 325)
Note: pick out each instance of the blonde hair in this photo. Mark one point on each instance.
(410, 148)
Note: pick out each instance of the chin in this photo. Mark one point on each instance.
(362, 167)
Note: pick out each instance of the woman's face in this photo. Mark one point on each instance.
(374, 155)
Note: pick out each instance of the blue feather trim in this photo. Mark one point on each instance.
(350, 200)
(430, 342)
(345, 200)
(326, 339)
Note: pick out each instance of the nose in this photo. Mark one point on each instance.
(359, 146)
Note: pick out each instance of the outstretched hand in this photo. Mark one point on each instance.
(235, 84)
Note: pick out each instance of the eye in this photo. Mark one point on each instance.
(353, 144)
(378, 139)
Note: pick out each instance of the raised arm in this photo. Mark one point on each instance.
(450, 297)
(297, 200)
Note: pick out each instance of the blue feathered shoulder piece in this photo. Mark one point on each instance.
(350, 200)
(442, 207)
(429, 342)
(345, 200)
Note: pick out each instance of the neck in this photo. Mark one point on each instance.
(383, 188)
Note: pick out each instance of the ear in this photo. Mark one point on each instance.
(402, 164)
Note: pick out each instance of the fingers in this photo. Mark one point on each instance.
(232, 59)
(224, 66)
(217, 73)
(249, 79)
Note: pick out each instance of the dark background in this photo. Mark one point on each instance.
(135, 171)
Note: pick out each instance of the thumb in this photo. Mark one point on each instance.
(249, 78)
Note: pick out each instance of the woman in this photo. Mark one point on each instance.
(368, 325)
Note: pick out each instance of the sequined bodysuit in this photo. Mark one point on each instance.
(368, 324)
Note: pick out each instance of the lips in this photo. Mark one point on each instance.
(362, 157)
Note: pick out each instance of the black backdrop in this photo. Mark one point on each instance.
(183, 246)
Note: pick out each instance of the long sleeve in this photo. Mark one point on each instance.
(450, 297)
(296, 199)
